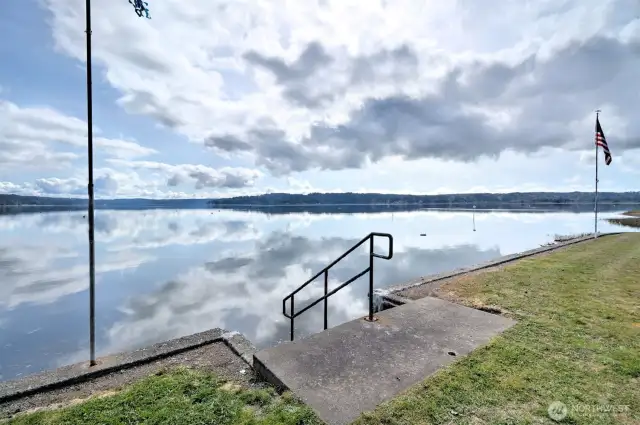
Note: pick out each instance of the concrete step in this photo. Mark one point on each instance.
(352, 368)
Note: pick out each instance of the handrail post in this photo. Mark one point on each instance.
(327, 293)
(292, 317)
(371, 247)
(326, 290)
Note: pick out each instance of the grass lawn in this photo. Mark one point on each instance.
(632, 219)
(179, 397)
(577, 341)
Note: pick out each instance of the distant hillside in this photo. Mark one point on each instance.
(17, 200)
(517, 199)
(478, 199)
(151, 203)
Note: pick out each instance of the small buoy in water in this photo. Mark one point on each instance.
(423, 234)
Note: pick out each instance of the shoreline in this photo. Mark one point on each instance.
(393, 296)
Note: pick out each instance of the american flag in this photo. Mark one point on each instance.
(602, 142)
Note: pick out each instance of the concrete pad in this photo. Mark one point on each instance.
(352, 368)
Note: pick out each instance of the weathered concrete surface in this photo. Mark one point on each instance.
(384, 300)
(352, 368)
(424, 286)
(81, 372)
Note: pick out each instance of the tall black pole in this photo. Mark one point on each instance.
(595, 208)
(92, 253)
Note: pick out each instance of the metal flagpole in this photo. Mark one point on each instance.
(140, 8)
(595, 209)
(92, 253)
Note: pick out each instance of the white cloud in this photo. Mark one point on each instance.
(18, 189)
(413, 79)
(29, 137)
(201, 175)
(359, 96)
(122, 148)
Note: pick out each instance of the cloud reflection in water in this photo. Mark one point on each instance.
(163, 273)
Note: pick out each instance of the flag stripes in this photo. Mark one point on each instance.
(602, 142)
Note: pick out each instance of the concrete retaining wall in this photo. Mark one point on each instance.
(81, 372)
(391, 298)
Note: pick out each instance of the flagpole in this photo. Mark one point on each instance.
(595, 221)
(92, 254)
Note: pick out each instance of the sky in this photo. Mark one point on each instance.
(216, 98)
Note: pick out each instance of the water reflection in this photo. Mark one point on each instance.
(162, 274)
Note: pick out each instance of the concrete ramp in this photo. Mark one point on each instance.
(352, 368)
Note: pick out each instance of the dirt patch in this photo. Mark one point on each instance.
(71, 402)
(232, 387)
(493, 309)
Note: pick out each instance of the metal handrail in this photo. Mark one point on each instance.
(370, 237)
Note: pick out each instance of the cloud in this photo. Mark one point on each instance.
(326, 86)
(60, 186)
(107, 183)
(102, 185)
(19, 189)
(43, 137)
(132, 179)
(201, 175)
(304, 67)
(122, 148)
(482, 108)
(310, 82)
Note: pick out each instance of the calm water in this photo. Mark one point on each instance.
(163, 274)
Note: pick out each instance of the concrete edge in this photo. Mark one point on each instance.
(395, 289)
(241, 346)
(81, 372)
(397, 299)
(265, 373)
(386, 300)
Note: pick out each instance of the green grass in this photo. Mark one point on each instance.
(181, 396)
(633, 222)
(577, 341)
(632, 219)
